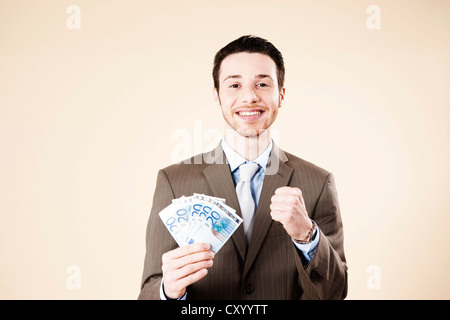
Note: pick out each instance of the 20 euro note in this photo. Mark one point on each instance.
(174, 222)
(200, 218)
(215, 224)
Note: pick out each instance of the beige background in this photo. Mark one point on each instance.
(88, 116)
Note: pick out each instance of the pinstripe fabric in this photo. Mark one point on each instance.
(270, 266)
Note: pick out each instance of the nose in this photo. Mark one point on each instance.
(249, 95)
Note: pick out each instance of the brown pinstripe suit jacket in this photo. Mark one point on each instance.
(270, 267)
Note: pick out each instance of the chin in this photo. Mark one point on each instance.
(250, 132)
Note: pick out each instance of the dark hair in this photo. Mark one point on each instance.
(250, 44)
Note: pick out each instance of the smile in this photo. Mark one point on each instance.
(246, 113)
(250, 114)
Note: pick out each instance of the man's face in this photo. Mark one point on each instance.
(249, 95)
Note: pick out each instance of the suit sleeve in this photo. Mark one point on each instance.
(158, 240)
(325, 276)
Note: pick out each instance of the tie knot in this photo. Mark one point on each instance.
(247, 171)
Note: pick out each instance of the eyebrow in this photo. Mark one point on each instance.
(237, 76)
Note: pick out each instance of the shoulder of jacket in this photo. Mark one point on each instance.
(302, 165)
(194, 163)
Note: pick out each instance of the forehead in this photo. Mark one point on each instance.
(247, 64)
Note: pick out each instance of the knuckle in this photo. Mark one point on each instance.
(291, 200)
(205, 255)
(206, 264)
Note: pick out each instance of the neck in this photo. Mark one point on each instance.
(248, 147)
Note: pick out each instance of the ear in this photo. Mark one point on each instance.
(216, 97)
(281, 97)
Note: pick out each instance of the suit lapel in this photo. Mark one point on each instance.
(275, 177)
(219, 178)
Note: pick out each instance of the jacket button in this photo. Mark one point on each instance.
(314, 276)
(249, 289)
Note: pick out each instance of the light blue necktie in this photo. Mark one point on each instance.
(244, 194)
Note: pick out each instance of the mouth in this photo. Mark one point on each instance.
(252, 114)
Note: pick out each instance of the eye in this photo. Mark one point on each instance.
(262, 84)
(235, 85)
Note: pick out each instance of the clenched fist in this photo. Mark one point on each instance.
(288, 208)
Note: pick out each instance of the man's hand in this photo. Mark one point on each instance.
(288, 208)
(183, 266)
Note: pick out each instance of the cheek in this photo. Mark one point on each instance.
(226, 102)
(272, 99)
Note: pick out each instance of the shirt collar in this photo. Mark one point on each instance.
(235, 159)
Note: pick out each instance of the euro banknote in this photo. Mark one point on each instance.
(200, 218)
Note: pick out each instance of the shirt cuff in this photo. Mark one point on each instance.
(308, 250)
(162, 294)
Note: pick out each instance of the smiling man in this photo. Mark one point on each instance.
(291, 242)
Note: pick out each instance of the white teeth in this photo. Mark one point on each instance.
(253, 113)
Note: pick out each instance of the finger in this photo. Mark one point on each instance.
(279, 206)
(278, 216)
(193, 277)
(185, 250)
(186, 271)
(289, 190)
(289, 210)
(287, 199)
(293, 196)
(190, 259)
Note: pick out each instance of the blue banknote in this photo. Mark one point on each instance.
(200, 218)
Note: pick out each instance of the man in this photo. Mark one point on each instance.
(291, 242)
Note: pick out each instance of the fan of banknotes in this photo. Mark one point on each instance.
(200, 218)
